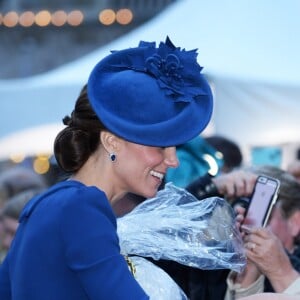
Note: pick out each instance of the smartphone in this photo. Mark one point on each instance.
(262, 200)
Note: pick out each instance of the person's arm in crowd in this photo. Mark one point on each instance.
(249, 282)
(266, 251)
(237, 183)
(266, 258)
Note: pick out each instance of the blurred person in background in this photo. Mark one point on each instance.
(210, 155)
(231, 153)
(193, 162)
(18, 179)
(228, 157)
(285, 217)
(274, 261)
(11, 212)
(15, 180)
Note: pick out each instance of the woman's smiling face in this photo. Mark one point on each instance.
(141, 169)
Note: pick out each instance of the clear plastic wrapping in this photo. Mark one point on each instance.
(156, 282)
(176, 226)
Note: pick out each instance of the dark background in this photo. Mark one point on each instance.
(26, 51)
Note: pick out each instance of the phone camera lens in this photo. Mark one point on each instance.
(262, 179)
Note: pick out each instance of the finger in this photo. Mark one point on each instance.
(229, 190)
(239, 209)
(254, 239)
(251, 246)
(240, 187)
(250, 228)
(245, 182)
(250, 183)
(262, 232)
(239, 218)
(242, 235)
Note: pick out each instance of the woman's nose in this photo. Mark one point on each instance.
(171, 157)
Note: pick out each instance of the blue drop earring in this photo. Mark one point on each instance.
(112, 157)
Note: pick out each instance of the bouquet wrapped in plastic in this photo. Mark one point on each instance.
(155, 281)
(176, 226)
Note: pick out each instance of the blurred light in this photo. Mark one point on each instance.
(41, 164)
(1, 19)
(75, 18)
(219, 155)
(59, 18)
(17, 158)
(213, 165)
(124, 16)
(26, 19)
(107, 17)
(43, 18)
(11, 19)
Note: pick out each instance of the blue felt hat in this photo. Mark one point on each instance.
(151, 96)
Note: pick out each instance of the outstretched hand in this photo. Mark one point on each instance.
(237, 183)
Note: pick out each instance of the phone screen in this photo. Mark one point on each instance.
(262, 201)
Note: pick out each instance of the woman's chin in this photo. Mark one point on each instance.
(149, 194)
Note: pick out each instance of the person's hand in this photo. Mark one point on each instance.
(266, 251)
(239, 213)
(237, 183)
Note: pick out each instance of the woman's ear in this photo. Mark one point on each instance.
(294, 221)
(109, 141)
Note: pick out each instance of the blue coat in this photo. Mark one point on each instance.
(66, 247)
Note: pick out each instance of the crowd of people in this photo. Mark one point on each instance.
(140, 114)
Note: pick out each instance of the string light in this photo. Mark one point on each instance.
(107, 16)
(43, 18)
(11, 19)
(59, 18)
(75, 18)
(26, 19)
(124, 16)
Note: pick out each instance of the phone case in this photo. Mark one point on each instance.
(262, 200)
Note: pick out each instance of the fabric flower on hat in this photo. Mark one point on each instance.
(174, 69)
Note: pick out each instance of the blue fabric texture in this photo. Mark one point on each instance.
(155, 96)
(66, 247)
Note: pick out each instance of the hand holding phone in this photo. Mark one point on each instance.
(262, 200)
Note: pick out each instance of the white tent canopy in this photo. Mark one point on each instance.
(249, 49)
(30, 141)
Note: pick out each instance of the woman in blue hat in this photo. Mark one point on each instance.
(121, 136)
